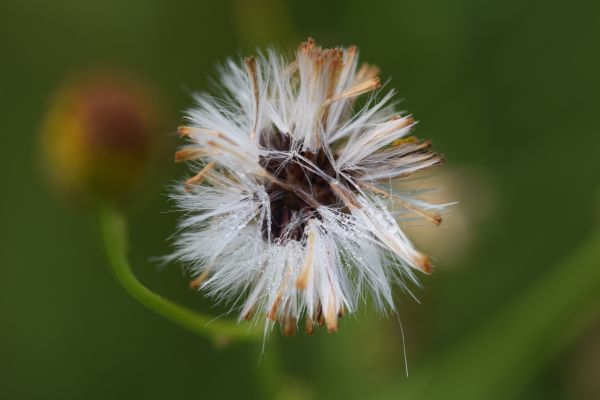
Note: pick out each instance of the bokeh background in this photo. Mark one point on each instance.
(508, 90)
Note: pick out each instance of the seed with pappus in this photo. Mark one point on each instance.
(293, 210)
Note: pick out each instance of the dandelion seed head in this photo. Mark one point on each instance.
(292, 212)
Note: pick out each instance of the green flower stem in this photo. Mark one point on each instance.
(113, 229)
(516, 343)
(269, 373)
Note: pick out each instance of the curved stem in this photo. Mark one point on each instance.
(113, 229)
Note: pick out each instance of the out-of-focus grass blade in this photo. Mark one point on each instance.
(515, 344)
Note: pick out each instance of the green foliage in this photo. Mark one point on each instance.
(507, 90)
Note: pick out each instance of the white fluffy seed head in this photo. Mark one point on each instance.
(293, 212)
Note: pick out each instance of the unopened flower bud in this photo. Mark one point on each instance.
(98, 135)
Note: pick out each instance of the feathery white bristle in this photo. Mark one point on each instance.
(243, 231)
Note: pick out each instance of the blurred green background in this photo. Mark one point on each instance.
(508, 90)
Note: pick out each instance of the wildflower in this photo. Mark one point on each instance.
(294, 206)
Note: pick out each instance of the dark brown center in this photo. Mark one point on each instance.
(294, 201)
